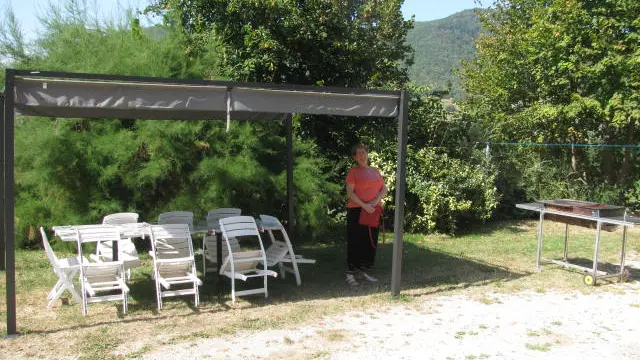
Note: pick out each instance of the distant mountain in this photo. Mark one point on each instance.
(439, 46)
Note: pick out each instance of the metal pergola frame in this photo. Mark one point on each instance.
(322, 101)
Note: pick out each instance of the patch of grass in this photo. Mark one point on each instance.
(483, 326)
(334, 335)
(99, 344)
(460, 334)
(470, 357)
(532, 333)
(402, 298)
(556, 323)
(635, 305)
(497, 257)
(200, 334)
(484, 356)
(138, 353)
(546, 347)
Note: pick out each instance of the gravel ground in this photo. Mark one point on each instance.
(526, 325)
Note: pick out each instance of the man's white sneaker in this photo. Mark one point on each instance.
(351, 280)
(369, 277)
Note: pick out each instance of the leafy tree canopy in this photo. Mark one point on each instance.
(353, 43)
(559, 71)
(555, 71)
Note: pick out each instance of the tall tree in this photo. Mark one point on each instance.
(353, 43)
(71, 171)
(561, 71)
(356, 43)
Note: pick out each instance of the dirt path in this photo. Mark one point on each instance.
(525, 325)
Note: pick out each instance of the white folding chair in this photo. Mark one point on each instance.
(126, 248)
(244, 264)
(210, 241)
(281, 252)
(102, 277)
(66, 270)
(173, 262)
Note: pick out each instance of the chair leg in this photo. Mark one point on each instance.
(204, 257)
(69, 285)
(233, 289)
(197, 294)
(55, 297)
(64, 283)
(158, 290)
(125, 302)
(159, 295)
(266, 294)
(85, 311)
(55, 289)
(296, 272)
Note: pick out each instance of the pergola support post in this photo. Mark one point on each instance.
(3, 265)
(8, 202)
(401, 184)
(291, 226)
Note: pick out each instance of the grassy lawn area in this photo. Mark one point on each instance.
(499, 257)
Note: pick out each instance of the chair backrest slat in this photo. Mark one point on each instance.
(176, 217)
(96, 233)
(271, 221)
(239, 226)
(171, 241)
(214, 215)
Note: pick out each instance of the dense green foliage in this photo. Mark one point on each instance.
(76, 171)
(560, 72)
(450, 185)
(545, 71)
(302, 42)
(439, 47)
(358, 44)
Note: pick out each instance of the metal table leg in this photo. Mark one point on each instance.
(540, 225)
(592, 280)
(623, 255)
(114, 249)
(566, 242)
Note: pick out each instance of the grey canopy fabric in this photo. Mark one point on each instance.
(136, 100)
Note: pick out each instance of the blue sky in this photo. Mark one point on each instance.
(27, 10)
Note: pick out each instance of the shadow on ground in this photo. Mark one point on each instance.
(424, 272)
(432, 271)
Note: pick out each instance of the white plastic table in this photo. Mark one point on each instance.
(68, 233)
